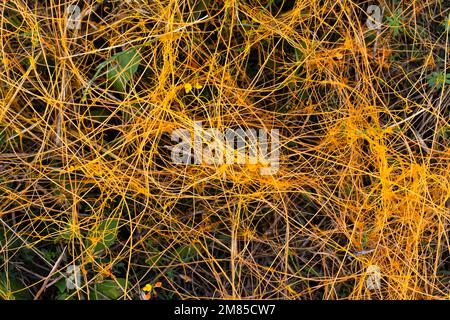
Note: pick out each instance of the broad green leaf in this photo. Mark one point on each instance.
(108, 290)
(61, 285)
(122, 68)
(12, 289)
(155, 255)
(9, 240)
(104, 235)
(64, 296)
(187, 253)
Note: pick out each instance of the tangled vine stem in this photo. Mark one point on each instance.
(357, 209)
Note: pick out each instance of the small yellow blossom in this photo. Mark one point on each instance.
(389, 130)
(339, 56)
(187, 87)
(148, 287)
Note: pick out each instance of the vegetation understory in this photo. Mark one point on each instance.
(87, 184)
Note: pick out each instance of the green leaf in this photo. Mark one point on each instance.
(61, 285)
(155, 255)
(108, 290)
(64, 296)
(187, 253)
(122, 68)
(438, 79)
(12, 289)
(395, 22)
(154, 260)
(105, 234)
(9, 240)
(447, 23)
